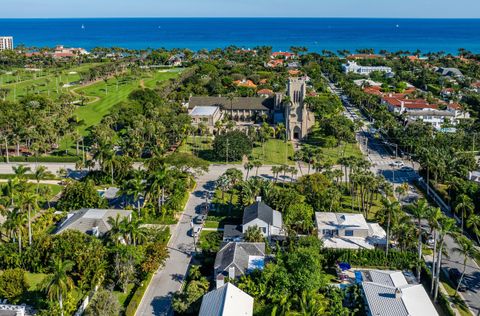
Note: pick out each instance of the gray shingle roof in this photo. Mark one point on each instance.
(237, 254)
(231, 232)
(258, 210)
(85, 219)
(238, 103)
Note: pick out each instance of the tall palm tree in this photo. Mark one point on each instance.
(419, 211)
(135, 232)
(467, 250)
(117, 228)
(448, 226)
(248, 166)
(433, 217)
(40, 173)
(136, 188)
(20, 171)
(159, 180)
(473, 222)
(59, 283)
(464, 205)
(29, 201)
(257, 164)
(389, 210)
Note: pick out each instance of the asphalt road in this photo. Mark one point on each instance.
(382, 156)
(168, 280)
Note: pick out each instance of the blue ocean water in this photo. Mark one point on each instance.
(317, 34)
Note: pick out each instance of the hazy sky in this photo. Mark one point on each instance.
(240, 8)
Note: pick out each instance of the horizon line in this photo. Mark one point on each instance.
(241, 17)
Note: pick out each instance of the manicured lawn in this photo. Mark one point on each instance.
(212, 224)
(54, 187)
(459, 303)
(346, 206)
(122, 297)
(109, 94)
(273, 152)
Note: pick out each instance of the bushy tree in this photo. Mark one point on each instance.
(104, 303)
(77, 195)
(13, 284)
(234, 145)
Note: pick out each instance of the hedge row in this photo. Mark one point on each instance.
(27, 176)
(371, 258)
(138, 295)
(68, 159)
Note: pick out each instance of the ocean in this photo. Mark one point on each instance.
(317, 34)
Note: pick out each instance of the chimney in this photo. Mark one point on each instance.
(231, 273)
(220, 281)
(258, 199)
(398, 294)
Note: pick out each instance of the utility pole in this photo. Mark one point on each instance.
(227, 151)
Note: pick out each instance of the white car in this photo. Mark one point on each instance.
(398, 164)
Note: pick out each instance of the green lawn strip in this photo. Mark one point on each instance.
(34, 279)
(122, 297)
(212, 224)
(54, 187)
(458, 301)
(273, 152)
(137, 296)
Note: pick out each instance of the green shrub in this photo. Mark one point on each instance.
(138, 295)
(66, 159)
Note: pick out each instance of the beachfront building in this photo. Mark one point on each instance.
(6, 42)
(420, 109)
(388, 293)
(227, 300)
(352, 66)
(348, 231)
(64, 52)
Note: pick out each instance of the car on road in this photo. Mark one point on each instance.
(199, 219)
(398, 164)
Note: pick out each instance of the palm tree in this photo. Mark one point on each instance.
(276, 170)
(20, 171)
(58, 284)
(419, 211)
(293, 171)
(136, 188)
(253, 234)
(135, 232)
(473, 222)
(389, 210)
(40, 173)
(467, 250)
(433, 217)
(257, 164)
(159, 180)
(29, 201)
(117, 228)
(448, 226)
(248, 166)
(464, 205)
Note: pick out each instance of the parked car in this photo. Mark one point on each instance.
(398, 164)
(199, 219)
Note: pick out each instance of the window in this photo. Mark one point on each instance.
(264, 230)
(349, 233)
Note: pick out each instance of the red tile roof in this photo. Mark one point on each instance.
(245, 83)
(265, 91)
(284, 54)
(365, 56)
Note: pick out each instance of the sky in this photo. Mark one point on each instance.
(240, 8)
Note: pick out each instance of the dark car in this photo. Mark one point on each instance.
(200, 219)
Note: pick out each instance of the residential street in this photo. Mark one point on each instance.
(382, 157)
(157, 298)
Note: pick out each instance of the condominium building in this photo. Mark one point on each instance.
(352, 66)
(6, 42)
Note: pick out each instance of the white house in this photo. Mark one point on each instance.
(263, 216)
(348, 231)
(352, 66)
(227, 300)
(388, 293)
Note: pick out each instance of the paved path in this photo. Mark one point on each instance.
(168, 280)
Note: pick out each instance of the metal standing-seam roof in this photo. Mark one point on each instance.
(227, 300)
(387, 293)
